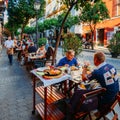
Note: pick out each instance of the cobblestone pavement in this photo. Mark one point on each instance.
(16, 87)
(15, 91)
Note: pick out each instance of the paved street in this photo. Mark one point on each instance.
(16, 87)
(15, 91)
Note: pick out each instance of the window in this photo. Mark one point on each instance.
(118, 7)
(114, 8)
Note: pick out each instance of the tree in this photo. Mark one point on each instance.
(29, 30)
(93, 14)
(22, 11)
(11, 25)
(56, 22)
(69, 5)
(70, 21)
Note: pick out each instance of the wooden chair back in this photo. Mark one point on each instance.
(86, 96)
(114, 109)
(94, 93)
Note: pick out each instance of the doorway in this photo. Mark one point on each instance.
(100, 37)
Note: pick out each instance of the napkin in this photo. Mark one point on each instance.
(40, 73)
(63, 68)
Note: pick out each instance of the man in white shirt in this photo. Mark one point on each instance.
(9, 45)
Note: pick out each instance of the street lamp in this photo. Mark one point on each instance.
(37, 7)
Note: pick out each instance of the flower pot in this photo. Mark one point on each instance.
(114, 55)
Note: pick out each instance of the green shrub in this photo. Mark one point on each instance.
(42, 41)
(114, 45)
(71, 41)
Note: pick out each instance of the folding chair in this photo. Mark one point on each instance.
(115, 117)
(113, 111)
(39, 63)
(85, 97)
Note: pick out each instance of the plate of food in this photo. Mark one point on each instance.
(52, 73)
(74, 68)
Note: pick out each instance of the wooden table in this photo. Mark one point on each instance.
(47, 109)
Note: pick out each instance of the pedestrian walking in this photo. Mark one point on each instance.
(9, 45)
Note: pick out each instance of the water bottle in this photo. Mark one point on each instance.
(69, 70)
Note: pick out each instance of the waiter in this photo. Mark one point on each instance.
(9, 45)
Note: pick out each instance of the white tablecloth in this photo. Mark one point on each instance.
(48, 82)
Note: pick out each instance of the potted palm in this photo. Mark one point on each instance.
(114, 45)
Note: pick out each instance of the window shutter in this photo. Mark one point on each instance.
(114, 8)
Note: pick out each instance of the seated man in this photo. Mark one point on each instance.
(106, 75)
(32, 48)
(69, 60)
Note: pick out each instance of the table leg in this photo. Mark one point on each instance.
(70, 86)
(45, 103)
(65, 87)
(34, 82)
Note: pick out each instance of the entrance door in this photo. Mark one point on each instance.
(100, 37)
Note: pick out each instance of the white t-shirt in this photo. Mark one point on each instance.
(9, 44)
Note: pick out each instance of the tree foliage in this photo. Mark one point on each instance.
(93, 14)
(70, 21)
(29, 30)
(71, 41)
(21, 12)
(56, 22)
(114, 45)
(70, 4)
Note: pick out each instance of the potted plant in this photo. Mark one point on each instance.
(42, 41)
(71, 41)
(114, 45)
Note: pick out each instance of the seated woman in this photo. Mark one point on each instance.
(41, 52)
(49, 53)
(49, 56)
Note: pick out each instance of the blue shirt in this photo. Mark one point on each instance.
(32, 49)
(65, 61)
(106, 75)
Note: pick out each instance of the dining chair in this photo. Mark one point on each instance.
(86, 97)
(113, 111)
(39, 63)
(115, 117)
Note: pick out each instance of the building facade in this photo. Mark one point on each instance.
(55, 8)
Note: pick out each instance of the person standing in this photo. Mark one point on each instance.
(9, 45)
